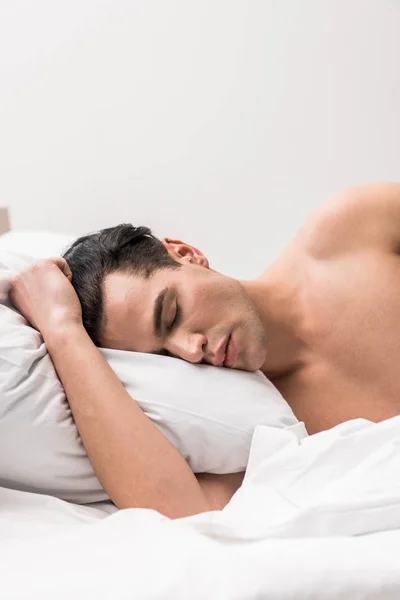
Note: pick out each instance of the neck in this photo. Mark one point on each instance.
(278, 298)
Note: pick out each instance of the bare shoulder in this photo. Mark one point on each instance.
(366, 216)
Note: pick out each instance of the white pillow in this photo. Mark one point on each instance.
(208, 413)
(40, 448)
(32, 245)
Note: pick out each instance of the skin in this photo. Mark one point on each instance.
(200, 310)
(321, 322)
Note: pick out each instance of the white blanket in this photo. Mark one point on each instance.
(316, 518)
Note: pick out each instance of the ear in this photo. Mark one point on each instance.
(184, 253)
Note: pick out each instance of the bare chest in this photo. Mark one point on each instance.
(351, 364)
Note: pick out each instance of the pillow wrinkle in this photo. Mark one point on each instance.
(197, 415)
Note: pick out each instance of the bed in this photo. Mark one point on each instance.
(315, 518)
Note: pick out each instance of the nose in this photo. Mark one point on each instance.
(189, 346)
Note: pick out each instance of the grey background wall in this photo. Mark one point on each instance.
(222, 122)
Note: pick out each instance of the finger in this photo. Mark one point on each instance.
(63, 266)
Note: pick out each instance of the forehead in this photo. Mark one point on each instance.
(128, 304)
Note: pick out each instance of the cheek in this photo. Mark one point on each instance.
(205, 303)
(209, 299)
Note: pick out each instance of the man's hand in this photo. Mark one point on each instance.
(43, 293)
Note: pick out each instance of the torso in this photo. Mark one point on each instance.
(350, 366)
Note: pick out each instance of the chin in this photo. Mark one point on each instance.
(257, 360)
(252, 351)
(250, 364)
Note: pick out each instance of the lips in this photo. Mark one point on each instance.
(220, 355)
(226, 354)
(231, 353)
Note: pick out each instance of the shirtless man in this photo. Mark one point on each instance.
(322, 323)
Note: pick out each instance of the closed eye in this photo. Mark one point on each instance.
(176, 320)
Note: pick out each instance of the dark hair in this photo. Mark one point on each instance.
(122, 248)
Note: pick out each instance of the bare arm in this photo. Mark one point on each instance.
(136, 464)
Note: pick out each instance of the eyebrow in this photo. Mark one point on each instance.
(158, 310)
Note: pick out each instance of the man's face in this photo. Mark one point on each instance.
(191, 312)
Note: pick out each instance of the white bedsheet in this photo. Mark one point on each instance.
(315, 518)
